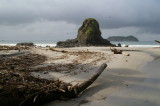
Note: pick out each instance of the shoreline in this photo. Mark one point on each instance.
(140, 44)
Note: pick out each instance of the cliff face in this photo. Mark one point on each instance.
(123, 38)
(88, 34)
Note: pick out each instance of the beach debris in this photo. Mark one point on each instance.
(22, 62)
(19, 87)
(115, 51)
(157, 41)
(57, 50)
(126, 54)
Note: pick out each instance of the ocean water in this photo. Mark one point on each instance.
(37, 43)
(139, 44)
(53, 44)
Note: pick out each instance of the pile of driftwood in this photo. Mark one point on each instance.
(18, 87)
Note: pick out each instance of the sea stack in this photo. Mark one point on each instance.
(89, 34)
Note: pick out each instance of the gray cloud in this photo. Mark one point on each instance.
(45, 30)
(111, 14)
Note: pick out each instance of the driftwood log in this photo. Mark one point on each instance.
(87, 83)
(70, 92)
(75, 91)
(116, 51)
(157, 41)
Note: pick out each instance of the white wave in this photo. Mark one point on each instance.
(8, 44)
(38, 44)
(44, 45)
(142, 46)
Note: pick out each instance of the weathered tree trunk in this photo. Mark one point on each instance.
(84, 85)
(42, 97)
(76, 90)
(157, 41)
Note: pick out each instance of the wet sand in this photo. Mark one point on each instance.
(127, 81)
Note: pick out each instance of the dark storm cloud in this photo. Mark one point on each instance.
(111, 14)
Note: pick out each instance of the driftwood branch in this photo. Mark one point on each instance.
(157, 41)
(84, 85)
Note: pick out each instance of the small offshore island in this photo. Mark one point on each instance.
(123, 38)
(48, 76)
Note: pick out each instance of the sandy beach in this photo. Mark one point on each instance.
(127, 81)
(130, 79)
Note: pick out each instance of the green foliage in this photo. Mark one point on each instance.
(89, 30)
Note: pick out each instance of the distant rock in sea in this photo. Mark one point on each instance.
(123, 38)
(25, 44)
(89, 34)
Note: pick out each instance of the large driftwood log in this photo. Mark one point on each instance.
(77, 89)
(87, 83)
(41, 97)
(157, 41)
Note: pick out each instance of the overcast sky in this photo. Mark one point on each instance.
(56, 20)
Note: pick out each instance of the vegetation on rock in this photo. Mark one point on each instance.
(89, 32)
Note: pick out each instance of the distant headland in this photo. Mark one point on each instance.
(123, 38)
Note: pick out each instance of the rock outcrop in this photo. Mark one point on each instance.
(25, 44)
(89, 34)
(123, 38)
